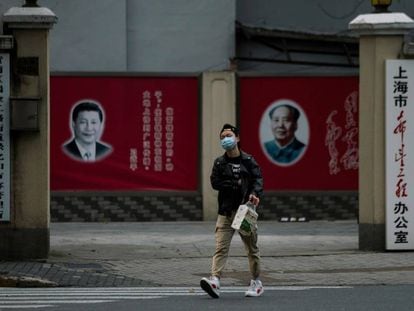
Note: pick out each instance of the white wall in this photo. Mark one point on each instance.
(90, 34)
(180, 35)
(140, 35)
(330, 16)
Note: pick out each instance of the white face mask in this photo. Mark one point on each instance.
(228, 142)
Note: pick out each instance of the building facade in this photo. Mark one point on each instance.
(109, 49)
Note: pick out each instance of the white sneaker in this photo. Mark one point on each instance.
(255, 289)
(211, 286)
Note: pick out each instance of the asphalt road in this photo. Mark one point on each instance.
(287, 298)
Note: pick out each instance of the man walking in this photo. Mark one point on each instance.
(238, 179)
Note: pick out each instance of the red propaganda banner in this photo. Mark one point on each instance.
(303, 131)
(124, 133)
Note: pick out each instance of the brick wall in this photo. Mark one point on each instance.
(101, 207)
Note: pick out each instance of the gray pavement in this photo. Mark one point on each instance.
(179, 254)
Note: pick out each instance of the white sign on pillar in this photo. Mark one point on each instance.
(4, 137)
(399, 112)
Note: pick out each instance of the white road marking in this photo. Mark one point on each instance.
(26, 298)
(26, 307)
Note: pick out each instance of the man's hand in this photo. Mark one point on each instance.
(254, 199)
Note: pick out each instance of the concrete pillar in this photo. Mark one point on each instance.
(27, 234)
(381, 38)
(218, 107)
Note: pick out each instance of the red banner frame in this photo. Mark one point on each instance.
(151, 125)
(328, 126)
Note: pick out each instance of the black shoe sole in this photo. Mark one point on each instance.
(207, 288)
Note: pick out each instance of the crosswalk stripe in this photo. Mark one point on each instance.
(28, 306)
(74, 301)
(30, 296)
(26, 298)
(15, 298)
(158, 289)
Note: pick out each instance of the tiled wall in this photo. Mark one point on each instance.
(101, 207)
(311, 205)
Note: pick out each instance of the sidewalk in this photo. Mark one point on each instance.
(179, 254)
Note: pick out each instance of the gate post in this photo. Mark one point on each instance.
(26, 235)
(218, 107)
(381, 38)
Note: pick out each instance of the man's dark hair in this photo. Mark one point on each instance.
(86, 106)
(230, 127)
(295, 112)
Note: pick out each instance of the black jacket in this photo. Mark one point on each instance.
(72, 150)
(232, 193)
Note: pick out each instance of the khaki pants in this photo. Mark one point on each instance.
(224, 235)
